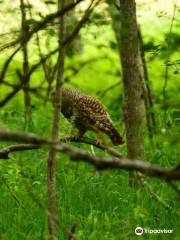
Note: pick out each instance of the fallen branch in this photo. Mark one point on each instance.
(4, 153)
(100, 163)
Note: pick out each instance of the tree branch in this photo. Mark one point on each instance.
(6, 64)
(4, 153)
(42, 24)
(100, 163)
(89, 141)
(76, 30)
(52, 192)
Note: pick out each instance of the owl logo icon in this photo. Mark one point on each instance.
(139, 231)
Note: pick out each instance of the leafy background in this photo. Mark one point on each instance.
(101, 204)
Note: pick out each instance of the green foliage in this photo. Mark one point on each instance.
(102, 204)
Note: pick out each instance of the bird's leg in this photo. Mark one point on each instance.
(75, 137)
(80, 133)
(100, 138)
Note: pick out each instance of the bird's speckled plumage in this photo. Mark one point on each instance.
(87, 113)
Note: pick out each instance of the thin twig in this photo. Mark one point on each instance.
(105, 91)
(173, 185)
(6, 64)
(152, 192)
(14, 196)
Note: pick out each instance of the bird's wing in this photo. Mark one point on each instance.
(91, 109)
(91, 104)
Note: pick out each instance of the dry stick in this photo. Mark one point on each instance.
(152, 192)
(100, 163)
(52, 201)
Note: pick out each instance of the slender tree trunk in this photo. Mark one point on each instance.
(52, 202)
(123, 14)
(129, 51)
(48, 69)
(150, 118)
(25, 76)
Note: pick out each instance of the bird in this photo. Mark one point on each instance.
(88, 114)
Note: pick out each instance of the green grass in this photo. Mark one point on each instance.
(101, 204)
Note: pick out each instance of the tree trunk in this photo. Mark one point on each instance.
(123, 14)
(52, 202)
(129, 51)
(25, 76)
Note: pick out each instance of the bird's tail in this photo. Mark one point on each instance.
(115, 137)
